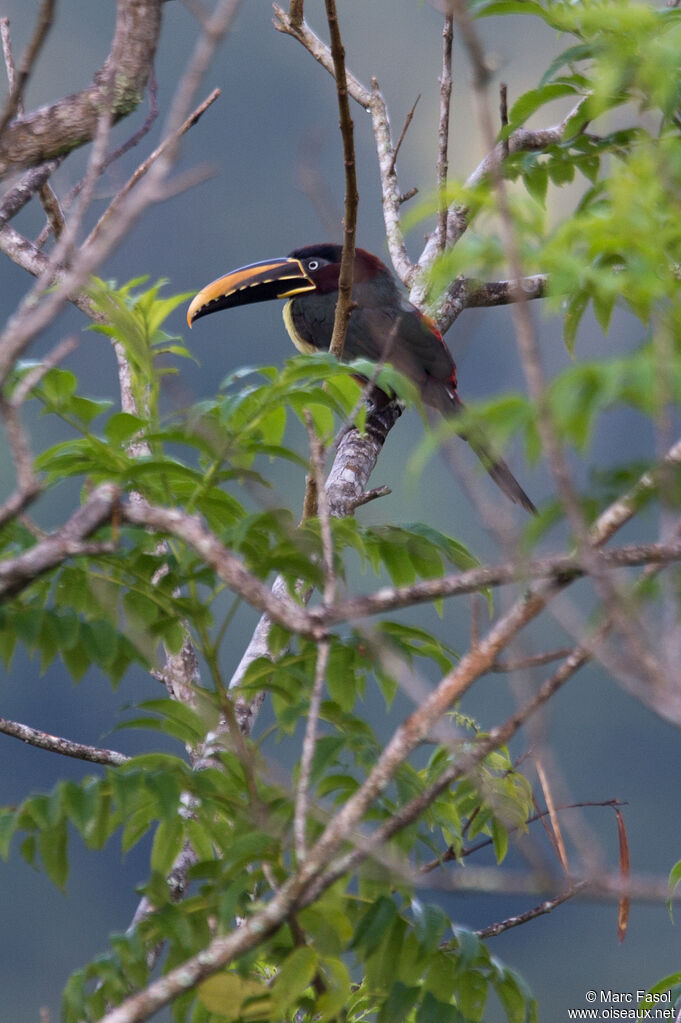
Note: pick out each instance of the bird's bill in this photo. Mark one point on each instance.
(257, 282)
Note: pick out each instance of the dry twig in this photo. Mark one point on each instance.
(57, 744)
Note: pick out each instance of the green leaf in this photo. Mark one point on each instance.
(433, 1011)
(471, 990)
(532, 100)
(674, 877)
(573, 54)
(100, 641)
(335, 997)
(168, 841)
(226, 993)
(53, 848)
(515, 997)
(293, 977)
(399, 1003)
(500, 840)
(374, 924)
(8, 824)
(122, 426)
(430, 922)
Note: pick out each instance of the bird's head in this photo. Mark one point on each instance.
(313, 268)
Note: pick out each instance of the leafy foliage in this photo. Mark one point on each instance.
(366, 948)
(126, 601)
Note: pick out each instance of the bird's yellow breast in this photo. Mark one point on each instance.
(301, 344)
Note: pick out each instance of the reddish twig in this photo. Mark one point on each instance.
(344, 304)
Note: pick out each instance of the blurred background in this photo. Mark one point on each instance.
(274, 148)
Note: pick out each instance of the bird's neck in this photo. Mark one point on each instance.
(301, 344)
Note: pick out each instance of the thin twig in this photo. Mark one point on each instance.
(323, 646)
(534, 661)
(629, 627)
(553, 816)
(347, 268)
(296, 13)
(493, 930)
(373, 102)
(57, 744)
(562, 569)
(47, 196)
(129, 144)
(35, 375)
(443, 129)
(405, 127)
(27, 61)
(144, 167)
(308, 751)
(503, 113)
(66, 542)
(452, 854)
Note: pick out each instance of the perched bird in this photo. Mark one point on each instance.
(383, 326)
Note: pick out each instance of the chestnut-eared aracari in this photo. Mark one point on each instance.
(383, 326)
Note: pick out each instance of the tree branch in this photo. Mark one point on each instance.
(443, 128)
(57, 744)
(344, 303)
(18, 81)
(66, 542)
(60, 127)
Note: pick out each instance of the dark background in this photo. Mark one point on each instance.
(278, 112)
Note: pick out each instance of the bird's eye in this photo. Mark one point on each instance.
(312, 264)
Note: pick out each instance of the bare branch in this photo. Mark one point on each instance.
(70, 122)
(57, 744)
(35, 375)
(548, 906)
(135, 139)
(18, 80)
(30, 183)
(344, 303)
(143, 168)
(443, 128)
(451, 854)
(296, 12)
(503, 113)
(405, 127)
(66, 542)
(534, 661)
(229, 568)
(374, 104)
(28, 484)
(323, 648)
(562, 568)
(308, 751)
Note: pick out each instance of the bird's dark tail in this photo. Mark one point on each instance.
(502, 475)
(496, 467)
